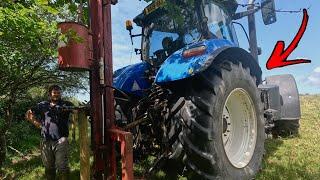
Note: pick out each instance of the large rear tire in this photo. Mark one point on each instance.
(223, 127)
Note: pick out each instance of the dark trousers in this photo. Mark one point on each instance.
(54, 156)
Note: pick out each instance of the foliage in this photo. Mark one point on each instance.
(28, 57)
(23, 136)
(69, 36)
(28, 53)
(28, 50)
(2, 124)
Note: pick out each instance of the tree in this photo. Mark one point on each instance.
(28, 41)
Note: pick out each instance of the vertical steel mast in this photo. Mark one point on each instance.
(104, 133)
(101, 77)
(96, 27)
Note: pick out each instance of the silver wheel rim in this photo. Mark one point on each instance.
(239, 128)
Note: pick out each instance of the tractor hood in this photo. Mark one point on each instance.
(132, 79)
(178, 66)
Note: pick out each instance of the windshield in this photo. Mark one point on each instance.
(173, 28)
(219, 23)
(180, 25)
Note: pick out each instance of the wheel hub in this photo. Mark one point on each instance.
(239, 128)
(226, 123)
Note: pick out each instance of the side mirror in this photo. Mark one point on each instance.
(268, 11)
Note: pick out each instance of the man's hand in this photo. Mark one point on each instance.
(30, 117)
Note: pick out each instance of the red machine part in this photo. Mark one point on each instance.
(95, 89)
(102, 99)
(125, 139)
(73, 55)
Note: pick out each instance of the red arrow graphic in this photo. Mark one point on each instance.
(279, 56)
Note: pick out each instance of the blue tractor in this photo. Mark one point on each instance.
(197, 98)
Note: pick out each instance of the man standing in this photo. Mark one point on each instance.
(53, 120)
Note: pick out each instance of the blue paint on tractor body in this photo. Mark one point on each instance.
(177, 67)
(132, 79)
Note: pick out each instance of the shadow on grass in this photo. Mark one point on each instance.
(271, 146)
(166, 170)
(274, 167)
(22, 167)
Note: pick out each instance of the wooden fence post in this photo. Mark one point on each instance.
(73, 126)
(84, 146)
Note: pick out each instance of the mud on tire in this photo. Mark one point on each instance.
(204, 126)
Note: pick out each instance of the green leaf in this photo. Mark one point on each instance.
(73, 8)
(42, 2)
(52, 10)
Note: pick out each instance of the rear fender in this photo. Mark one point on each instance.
(289, 96)
(177, 67)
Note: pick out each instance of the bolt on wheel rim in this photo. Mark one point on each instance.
(239, 128)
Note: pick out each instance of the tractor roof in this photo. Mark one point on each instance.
(157, 7)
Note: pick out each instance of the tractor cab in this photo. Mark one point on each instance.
(168, 26)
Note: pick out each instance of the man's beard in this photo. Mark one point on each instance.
(55, 99)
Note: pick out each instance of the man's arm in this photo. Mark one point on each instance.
(31, 117)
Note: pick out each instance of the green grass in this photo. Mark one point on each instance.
(291, 158)
(17, 167)
(26, 169)
(299, 157)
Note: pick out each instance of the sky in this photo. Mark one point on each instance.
(286, 27)
(307, 75)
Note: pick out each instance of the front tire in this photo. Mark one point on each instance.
(223, 128)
